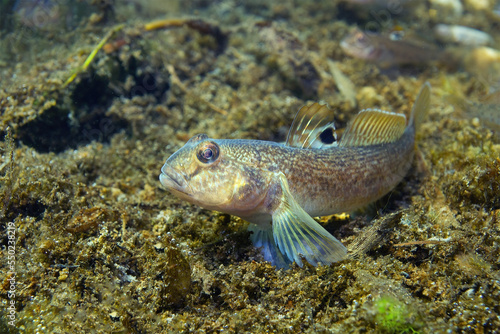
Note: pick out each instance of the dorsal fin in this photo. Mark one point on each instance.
(308, 125)
(373, 126)
(421, 106)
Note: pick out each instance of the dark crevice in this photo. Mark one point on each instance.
(26, 208)
(150, 84)
(31, 208)
(86, 118)
(54, 131)
(92, 91)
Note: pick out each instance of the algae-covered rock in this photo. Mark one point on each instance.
(168, 273)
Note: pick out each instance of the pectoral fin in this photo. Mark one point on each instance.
(296, 233)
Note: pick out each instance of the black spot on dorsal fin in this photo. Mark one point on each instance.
(312, 127)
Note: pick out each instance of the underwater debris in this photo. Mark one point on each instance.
(423, 242)
(89, 218)
(376, 234)
(344, 84)
(51, 16)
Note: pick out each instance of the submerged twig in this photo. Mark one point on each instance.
(92, 55)
(164, 24)
(378, 233)
(422, 242)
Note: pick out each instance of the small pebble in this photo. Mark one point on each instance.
(483, 61)
(477, 5)
(461, 35)
(475, 122)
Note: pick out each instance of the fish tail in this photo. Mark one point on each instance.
(421, 106)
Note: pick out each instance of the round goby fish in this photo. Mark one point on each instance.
(278, 188)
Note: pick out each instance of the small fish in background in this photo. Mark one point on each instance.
(387, 52)
(278, 188)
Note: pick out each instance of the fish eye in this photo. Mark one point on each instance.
(208, 153)
(360, 37)
(397, 35)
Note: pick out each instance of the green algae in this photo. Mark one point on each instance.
(392, 316)
(101, 248)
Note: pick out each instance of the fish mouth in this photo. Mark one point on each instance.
(173, 180)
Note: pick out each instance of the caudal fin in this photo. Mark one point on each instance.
(421, 106)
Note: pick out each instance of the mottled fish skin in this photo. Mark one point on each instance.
(278, 187)
(332, 180)
(323, 181)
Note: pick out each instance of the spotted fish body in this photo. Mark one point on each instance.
(278, 188)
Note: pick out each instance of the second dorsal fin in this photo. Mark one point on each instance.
(308, 126)
(372, 127)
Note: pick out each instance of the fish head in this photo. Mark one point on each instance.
(360, 45)
(216, 175)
